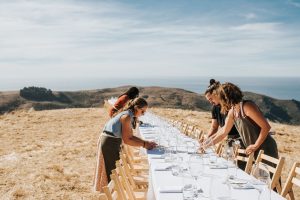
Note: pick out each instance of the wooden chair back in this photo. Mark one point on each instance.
(293, 179)
(249, 159)
(274, 166)
(112, 190)
(189, 130)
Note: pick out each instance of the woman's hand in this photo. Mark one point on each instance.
(250, 149)
(150, 145)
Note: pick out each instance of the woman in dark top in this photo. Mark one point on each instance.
(218, 119)
(248, 119)
(130, 94)
(118, 129)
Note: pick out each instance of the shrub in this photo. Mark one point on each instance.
(37, 94)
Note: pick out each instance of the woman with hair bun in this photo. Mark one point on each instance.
(248, 120)
(218, 118)
(118, 129)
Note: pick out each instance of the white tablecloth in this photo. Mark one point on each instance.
(159, 179)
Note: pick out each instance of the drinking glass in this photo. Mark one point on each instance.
(196, 170)
(261, 172)
(188, 189)
(232, 163)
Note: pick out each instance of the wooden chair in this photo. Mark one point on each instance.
(177, 124)
(198, 134)
(291, 181)
(137, 178)
(135, 168)
(183, 127)
(103, 196)
(189, 130)
(274, 166)
(128, 190)
(133, 154)
(112, 190)
(248, 159)
(219, 148)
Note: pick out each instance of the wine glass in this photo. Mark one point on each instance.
(207, 145)
(232, 163)
(196, 169)
(260, 171)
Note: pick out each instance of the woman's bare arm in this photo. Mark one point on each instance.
(129, 138)
(229, 122)
(252, 111)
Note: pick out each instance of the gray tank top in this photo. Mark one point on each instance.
(249, 132)
(114, 125)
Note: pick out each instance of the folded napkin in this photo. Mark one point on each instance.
(243, 186)
(218, 166)
(146, 125)
(149, 137)
(163, 167)
(157, 157)
(155, 151)
(237, 181)
(149, 133)
(170, 189)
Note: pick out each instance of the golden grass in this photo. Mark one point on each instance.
(51, 154)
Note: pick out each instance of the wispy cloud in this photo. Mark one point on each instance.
(258, 27)
(88, 38)
(251, 16)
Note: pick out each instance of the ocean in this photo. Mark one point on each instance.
(276, 87)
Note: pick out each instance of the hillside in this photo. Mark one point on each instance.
(283, 111)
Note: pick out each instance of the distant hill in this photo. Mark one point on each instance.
(283, 111)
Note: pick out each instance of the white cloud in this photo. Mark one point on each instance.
(251, 16)
(266, 27)
(73, 38)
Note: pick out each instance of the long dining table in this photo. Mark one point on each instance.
(213, 180)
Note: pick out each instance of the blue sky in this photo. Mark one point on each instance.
(135, 38)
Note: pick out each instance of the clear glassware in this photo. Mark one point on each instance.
(188, 189)
(260, 171)
(232, 163)
(196, 166)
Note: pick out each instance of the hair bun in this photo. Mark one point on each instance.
(212, 81)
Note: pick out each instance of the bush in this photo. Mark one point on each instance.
(37, 94)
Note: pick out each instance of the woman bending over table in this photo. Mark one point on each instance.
(118, 129)
(122, 100)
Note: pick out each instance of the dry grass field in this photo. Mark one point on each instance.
(51, 154)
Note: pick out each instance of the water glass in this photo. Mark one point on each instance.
(232, 169)
(212, 159)
(261, 172)
(188, 188)
(176, 166)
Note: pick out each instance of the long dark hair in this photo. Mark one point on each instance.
(134, 104)
(132, 93)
